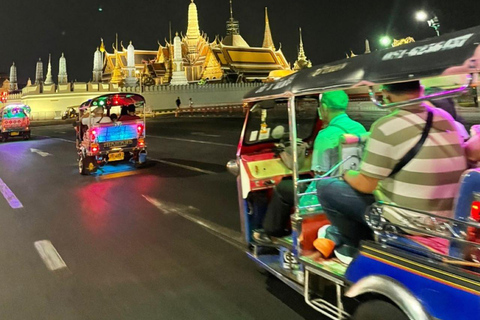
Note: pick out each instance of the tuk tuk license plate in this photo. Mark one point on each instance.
(117, 156)
(14, 133)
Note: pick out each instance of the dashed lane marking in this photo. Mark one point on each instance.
(10, 196)
(194, 141)
(183, 166)
(50, 255)
(226, 234)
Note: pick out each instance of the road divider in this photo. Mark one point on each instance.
(50, 256)
(10, 196)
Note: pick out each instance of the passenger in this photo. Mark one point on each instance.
(114, 117)
(98, 117)
(429, 182)
(332, 110)
(130, 114)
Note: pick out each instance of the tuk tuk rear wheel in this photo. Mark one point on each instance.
(4, 137)
(26, 136)
(378, 310)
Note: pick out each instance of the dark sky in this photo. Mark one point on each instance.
(33, 29)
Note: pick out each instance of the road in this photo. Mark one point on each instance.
(153, 243)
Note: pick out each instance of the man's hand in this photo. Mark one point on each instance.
(472, 148)
(360, 182)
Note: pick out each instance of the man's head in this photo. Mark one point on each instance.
(332, 104)
(131, 109)
(98, 111)
(397, 92)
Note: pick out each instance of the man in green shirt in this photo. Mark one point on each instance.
(325, 155)
(325, 148)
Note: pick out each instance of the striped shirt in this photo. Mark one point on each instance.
(430, 181)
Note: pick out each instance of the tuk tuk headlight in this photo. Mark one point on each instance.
(233, 167)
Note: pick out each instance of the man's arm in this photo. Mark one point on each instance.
(472, 148)
(360, 182)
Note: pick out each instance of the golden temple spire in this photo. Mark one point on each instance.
(102, 46)
(302, 61)
(267, 39)
(193, 29)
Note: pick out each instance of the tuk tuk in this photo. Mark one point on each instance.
(113, 136)
(391, 276)
(70, 113)
(15, 121)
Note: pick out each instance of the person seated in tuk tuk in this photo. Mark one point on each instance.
(98, 117)
(427, 182)
(130, 114)
(332, 108)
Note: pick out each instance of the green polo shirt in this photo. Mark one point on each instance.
(325, 148)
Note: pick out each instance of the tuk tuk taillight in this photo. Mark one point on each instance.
(141, 143)
(140, 129)
(94, 148)
(93, 135)
(475, 211)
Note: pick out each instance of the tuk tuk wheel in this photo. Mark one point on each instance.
(4, 137)
(377, 309)
(86, 165)
(26, 136)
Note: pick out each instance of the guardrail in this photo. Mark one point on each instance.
(205, 110)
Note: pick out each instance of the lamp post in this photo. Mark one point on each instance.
(433, 22)
(385, 41)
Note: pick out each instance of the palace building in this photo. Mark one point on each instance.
(192, 58)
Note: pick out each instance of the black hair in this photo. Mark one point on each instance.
(402, 87)
(131, 108)
(124, 111)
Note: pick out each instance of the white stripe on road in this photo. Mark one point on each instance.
(49, 255)
(203, 134)
(194, 141)
(230, 236)
(64, 140)
(183, 166)
(10, 196)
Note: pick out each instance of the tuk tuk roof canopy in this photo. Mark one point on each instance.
(451, 54)
(15, 106)
(113, 100)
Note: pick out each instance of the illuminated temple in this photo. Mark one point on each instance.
(228, 59)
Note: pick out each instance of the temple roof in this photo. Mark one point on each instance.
(235, 40)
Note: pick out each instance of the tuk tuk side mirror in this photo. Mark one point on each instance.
(233, 167)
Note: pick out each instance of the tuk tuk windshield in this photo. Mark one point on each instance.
(268, 120)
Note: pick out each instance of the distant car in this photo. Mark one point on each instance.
(15, 121)
(70, 113)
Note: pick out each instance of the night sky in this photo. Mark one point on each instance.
(33, 29)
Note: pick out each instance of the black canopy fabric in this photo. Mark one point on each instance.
(450, 54)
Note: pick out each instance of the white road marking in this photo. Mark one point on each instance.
(206, 134)
(10, 196)
(194, 141)
(183, 166)
(49, 255)
(42, 153)
(64, 140)
(232, 237)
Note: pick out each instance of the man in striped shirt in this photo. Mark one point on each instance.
(428, 182)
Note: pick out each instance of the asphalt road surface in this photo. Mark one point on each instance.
(160, 242)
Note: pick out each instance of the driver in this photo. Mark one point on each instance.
(428, 182)
(332, 110)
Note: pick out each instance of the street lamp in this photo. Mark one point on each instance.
(385, 41)
(433, 22)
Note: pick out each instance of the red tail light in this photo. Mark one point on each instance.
(141, 143)
(140, 129)
(94, 148)
(93, 135)
(475, 211)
